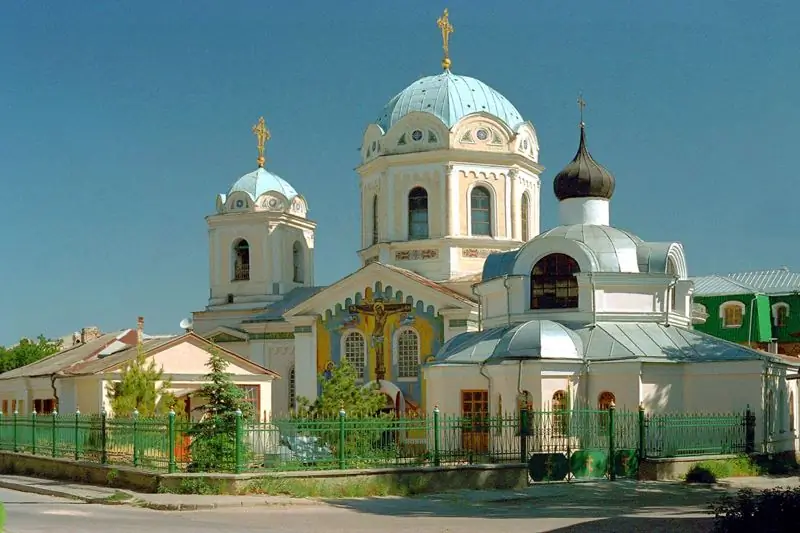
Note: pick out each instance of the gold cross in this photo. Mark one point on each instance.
(581, 105)
(444, 24)
(262, 134)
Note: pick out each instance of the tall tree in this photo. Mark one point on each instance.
(214, 437)
(27, 352)
(141, 387)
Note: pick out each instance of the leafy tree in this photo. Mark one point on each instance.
(214, 437)
(340, 390)
(27, 352)
(141, 387)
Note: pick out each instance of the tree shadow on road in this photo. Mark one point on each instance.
(667, 501)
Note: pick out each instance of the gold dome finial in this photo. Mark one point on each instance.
(444, 24)
(262, 134)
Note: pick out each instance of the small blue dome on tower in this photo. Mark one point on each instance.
(449, 98)
(261, 181)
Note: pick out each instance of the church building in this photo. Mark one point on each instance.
(460, 302)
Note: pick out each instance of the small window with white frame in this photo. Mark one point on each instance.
(780, 314)
(732, 314)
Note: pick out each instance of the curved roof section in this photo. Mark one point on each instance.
(471, 347)
(449, 98)
(538, 339)
(262, 181)
(615, 249)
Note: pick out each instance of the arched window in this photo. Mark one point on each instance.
(297, 262)
(375, 219)
(355, 352)
(417, 214)
(292, 390)
(780, 314)
(525, 217)
(553, 282)
(241, 260)
(732, 314)
(605, 399)
(481, 211)
(408, 354)
(560, 412)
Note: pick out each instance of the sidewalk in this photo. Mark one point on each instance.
(161, 502)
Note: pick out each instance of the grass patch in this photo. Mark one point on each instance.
(711, 471)
(317, 488)
(2, 517)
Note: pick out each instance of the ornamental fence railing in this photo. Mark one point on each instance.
(581, 436)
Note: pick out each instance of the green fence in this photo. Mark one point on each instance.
(576, 444)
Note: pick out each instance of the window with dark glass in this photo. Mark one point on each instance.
(481, 211)
(241, 262)
(417, 214)
(553, 283)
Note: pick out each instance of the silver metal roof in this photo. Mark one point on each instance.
(605, 341)
(778, 281)
(615, 249)
(538, 339)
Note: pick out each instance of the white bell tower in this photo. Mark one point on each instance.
(261, 245)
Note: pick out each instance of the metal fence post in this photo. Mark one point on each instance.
(54, 433)
(33, 432)
(342, 414)
(642, 433)
(749, 431)
(171, 466)
(135, 438)
(612, 452)
(237, 467)
(437, 445)
(524, 431)
(103, 452)
(77, 432)
(15, 415)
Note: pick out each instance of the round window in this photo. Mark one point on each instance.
(416, 135)
(482, 134)
(239, 203)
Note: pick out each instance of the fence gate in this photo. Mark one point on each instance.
(580, 445)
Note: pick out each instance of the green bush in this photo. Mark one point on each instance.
(741, 466)
(771, 511)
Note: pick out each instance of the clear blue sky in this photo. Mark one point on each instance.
(121, 121)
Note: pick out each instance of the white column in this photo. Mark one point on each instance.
(454, 202)
(305, 361)
(508, 201)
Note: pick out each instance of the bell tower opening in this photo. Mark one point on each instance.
(241, 260)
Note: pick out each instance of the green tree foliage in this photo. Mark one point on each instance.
(341, 390)
(141, 387)
(27, 352)
(214, 437)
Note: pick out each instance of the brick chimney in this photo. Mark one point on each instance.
(140, 329)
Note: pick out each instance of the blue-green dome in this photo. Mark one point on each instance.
(260, 181)
(450, 98)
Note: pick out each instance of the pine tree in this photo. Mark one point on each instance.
(214, 437)
(141, 387)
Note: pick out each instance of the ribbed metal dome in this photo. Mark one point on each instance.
(583, 177)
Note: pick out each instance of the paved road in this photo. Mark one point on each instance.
(29, 513)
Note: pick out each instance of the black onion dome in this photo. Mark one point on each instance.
(583, 177)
